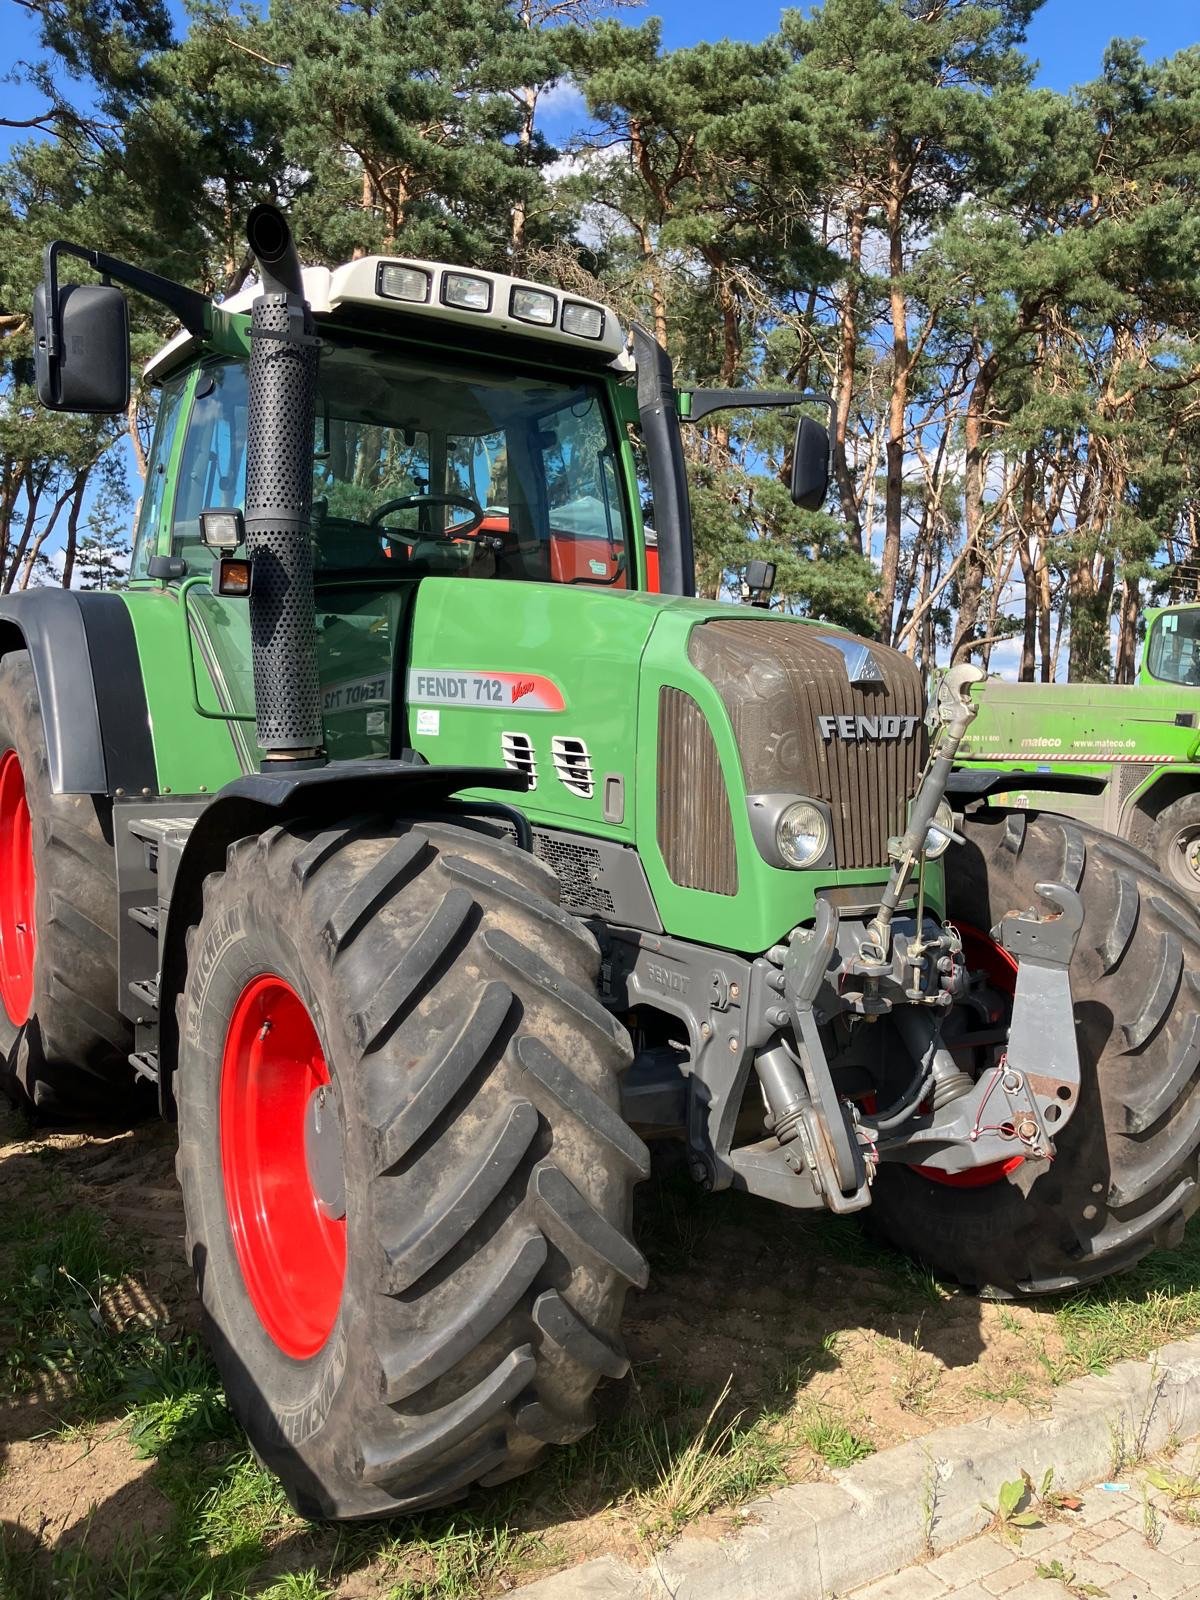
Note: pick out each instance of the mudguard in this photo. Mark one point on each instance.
(262, 800)
(89, 682)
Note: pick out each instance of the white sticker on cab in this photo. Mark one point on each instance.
(429, 723)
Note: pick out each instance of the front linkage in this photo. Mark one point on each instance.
(825, 1144)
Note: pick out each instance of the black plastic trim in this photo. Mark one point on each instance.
(49, 624)
(129, 762)
(976, 783)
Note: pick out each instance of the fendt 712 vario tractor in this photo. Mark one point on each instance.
(428, 863)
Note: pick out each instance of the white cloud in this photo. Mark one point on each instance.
(562, 101)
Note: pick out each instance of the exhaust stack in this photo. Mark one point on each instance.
(282, 416)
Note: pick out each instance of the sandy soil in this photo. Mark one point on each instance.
(797, 1313)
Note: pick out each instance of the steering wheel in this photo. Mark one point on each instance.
(414, 502)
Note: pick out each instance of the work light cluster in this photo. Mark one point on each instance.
(467, 291)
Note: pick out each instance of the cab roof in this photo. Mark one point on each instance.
(364, 283)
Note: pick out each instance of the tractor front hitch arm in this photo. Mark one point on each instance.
(1021, 1105)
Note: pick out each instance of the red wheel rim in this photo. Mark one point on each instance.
(290, 1244)
(18, 934)
(981, 953)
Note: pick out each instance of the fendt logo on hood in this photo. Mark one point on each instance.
(867, 728)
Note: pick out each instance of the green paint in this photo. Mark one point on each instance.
(1131, 738)
(451, 666)
(194, 754)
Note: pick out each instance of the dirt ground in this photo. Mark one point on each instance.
(770, 1345)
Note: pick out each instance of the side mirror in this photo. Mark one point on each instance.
(81, 347)
(810, 465)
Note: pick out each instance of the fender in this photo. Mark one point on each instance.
(262, 800)
(89, 682)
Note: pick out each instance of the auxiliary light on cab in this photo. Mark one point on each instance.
(586, 322)
(533, 305)
(404, 283)
(467, 292)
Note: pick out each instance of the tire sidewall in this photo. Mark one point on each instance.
(283, 1402)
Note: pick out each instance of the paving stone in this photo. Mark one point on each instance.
(917, 1583)
(1009, 1577)
(1165, 1575)
(1035, 1540)
(972, 1560)
(1100, 1504)
(1037, 1589)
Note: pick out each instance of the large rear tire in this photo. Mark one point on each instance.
(64, 1046)
(1124, 1179)
(426, 1292)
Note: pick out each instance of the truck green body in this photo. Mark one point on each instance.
(1137, 744)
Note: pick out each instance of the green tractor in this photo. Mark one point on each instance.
(427, 861)
(1132, 751)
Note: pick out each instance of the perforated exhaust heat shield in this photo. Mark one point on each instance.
(283, 374)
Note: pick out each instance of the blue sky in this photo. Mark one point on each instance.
(1067, 37)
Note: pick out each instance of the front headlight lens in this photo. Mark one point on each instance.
(941, 832)
(802, 834)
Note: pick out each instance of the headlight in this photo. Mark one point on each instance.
(802, 834)
(941, 832)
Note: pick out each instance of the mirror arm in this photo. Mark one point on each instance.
(704, 401)
(192, 308)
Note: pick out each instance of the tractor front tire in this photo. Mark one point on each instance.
(1124, 1178)
(407, 1183)
(64, 1046)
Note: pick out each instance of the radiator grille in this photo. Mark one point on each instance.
(776, 679)
(695, 829)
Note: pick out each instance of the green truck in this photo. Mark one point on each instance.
(425, 862)
(1133, 750)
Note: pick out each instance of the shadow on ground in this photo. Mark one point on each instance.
(769, 1346)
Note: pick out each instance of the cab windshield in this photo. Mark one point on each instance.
(422, 469)
(1173, 653)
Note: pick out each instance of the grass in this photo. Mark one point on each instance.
(829, 1436)
(76, 1330)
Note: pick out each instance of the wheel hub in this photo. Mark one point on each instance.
(981, 953)
(323, 1152)
(282, 1166)
(18, 940)
(1186, 853)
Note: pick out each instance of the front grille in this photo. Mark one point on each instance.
(776, 679)
(695, 829)
(576, 866)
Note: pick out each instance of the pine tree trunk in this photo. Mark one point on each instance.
(1131, 605)
(897, 419)
(847, 359)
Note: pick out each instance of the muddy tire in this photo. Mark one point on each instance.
(478, 1168)
(64, 1047)
(1124, 1180)
(1173, 839)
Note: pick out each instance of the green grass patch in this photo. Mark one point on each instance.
(829, 1436)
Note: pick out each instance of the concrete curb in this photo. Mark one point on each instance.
(811, 1541)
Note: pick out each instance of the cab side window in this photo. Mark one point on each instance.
(212, 471)
(150, 514)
